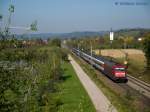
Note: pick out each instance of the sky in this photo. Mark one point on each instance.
(62, 16)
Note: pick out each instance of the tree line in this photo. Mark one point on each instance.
(119, 42)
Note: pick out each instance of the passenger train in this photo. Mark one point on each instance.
(115, 71)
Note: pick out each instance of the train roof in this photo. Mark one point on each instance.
(109, 62)
(100, 58)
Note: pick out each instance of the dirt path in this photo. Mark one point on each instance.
(101, 103)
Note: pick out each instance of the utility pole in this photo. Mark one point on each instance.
(126, 54)
(91, 54)
(91, 49)
(78, 49)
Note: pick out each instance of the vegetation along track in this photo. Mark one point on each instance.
(142, 87)
(122, 89)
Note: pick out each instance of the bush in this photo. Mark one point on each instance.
(30, 86)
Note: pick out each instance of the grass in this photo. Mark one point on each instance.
(123, 103)
(73, 95)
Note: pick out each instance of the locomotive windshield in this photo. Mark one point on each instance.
(120, 69)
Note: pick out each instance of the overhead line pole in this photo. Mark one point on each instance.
(91, 49)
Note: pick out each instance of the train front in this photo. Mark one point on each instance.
(120, 73)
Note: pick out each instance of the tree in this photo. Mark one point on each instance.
(146, 45)
(56, 42)
(33, 26)
(1, 17)
(127, 41)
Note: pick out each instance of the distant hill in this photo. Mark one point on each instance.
(63, 35)
(135, 32)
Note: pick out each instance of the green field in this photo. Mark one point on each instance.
(73, 96)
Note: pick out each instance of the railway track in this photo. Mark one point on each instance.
(134, 83)
(142, 87)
